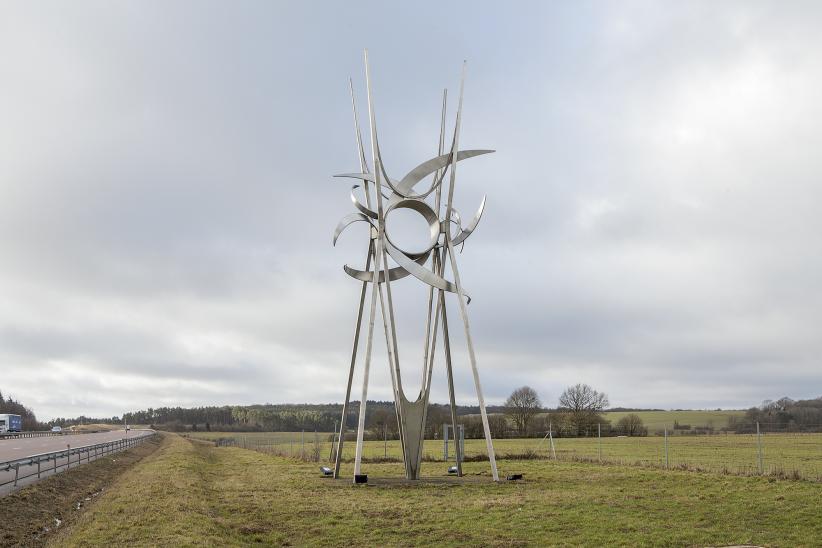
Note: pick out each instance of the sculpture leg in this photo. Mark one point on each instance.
(368, 346)
(470, 343)
(391, 368)
(452, 400)
(338, 456)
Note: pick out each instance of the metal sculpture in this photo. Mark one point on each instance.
(390, 195)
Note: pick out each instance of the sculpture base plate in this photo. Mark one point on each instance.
(431, 480)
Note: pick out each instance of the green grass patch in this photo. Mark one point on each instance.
(193, 494)
(796, 455)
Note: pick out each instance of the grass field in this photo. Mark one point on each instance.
(95, 427)
(657, 421)
(194, 494)
(798, 455)
(279, 438)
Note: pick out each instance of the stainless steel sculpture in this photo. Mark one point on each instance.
(390, 195)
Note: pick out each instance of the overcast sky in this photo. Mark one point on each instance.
(167, 205)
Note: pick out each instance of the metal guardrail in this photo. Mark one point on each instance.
(38, 434)
(96, 450)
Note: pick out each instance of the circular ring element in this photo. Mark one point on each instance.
(427, 213)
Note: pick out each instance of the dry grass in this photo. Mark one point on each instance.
(32, 515)
(95, 427)
(783, 454)
(194, 494)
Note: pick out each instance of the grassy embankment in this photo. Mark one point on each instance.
(798, 455)
(36, 512)
(192, 493)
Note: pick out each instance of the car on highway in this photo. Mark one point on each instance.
(56, 429)
(10, 423)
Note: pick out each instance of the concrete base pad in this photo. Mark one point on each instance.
(435, 480)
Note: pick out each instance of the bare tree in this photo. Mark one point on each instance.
(383, 423)
(631, 425)
(497, 425)
(583, 405)
(522, 405)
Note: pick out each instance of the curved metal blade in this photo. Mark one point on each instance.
(346, 221)
(419, 173)
(464, 233)
(420, 272)
(427, 168)
(360, 206)
(396, 273)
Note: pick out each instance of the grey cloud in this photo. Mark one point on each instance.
(166, 199)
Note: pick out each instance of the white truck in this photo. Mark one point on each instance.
(10, 423)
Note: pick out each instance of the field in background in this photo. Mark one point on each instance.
(197, 494)
(279, 438)
(798, 455)
(95, 427)
(657, 421)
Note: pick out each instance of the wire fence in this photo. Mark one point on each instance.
(786, 455)
(795, 455)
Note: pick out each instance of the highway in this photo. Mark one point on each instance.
(12, 449)
(25, 447)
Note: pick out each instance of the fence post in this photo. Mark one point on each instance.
(460, 447)
(551, 439)
(385, 441)
(16, 473)
(759, 449)
(666, 449)
(38, 468)
(445, 438)
(599, 441)
(333, 445)
(68, 456)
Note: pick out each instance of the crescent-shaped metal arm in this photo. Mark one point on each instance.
(420, 272)
(396, 273)
(418, 173)
(427, 168)
(364, 176)
(346, 221)
(465, 232)
(391, 183)
(360, 206)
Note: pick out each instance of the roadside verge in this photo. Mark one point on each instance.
(33, 514)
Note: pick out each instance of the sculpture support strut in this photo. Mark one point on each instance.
(427, 265)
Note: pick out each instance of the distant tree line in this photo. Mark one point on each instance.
(579, 413)
(13, 407)
(82, 419)
(380, 420)
(782, 415)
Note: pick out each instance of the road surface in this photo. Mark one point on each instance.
(12, 449)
